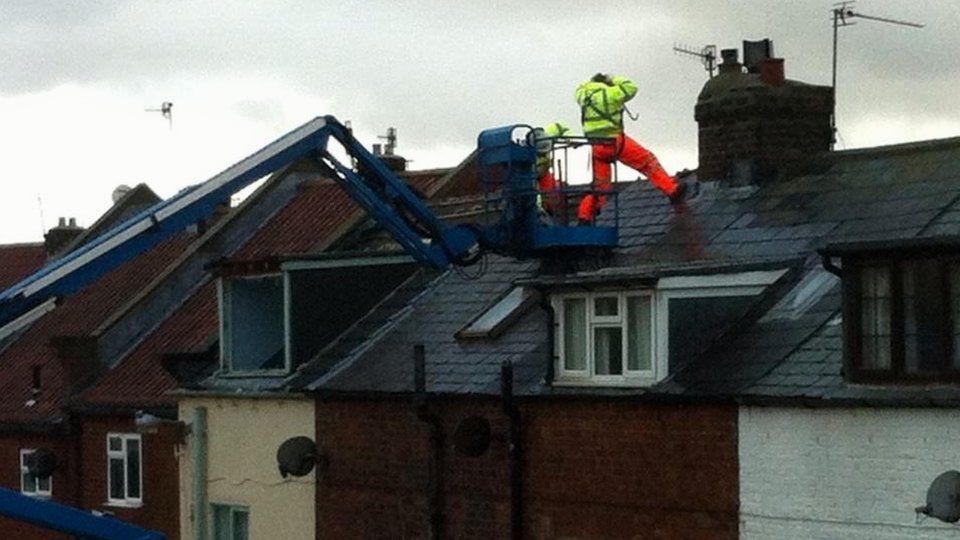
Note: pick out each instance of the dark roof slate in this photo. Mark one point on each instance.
(791, 350)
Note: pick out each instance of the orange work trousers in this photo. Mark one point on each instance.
(630, 153)
(548, 196)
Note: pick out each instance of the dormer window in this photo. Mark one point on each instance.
(902, 318)
(637, 336)
(252, 325)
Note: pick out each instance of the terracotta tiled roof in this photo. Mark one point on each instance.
(18, 261)
(139, 380)
(78, 315)
(319, 212)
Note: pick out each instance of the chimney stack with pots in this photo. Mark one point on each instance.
(60, 236)
(753, 121)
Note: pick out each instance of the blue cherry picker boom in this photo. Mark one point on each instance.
(506, 159)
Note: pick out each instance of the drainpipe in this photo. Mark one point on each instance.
(547, 306)
(829, 266)
(435, 482)
(199, 431)
(515, 450)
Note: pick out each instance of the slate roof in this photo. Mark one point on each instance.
(792, 349)
(17, 261)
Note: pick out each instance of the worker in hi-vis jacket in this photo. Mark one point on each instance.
(548, 199)
(602, 100)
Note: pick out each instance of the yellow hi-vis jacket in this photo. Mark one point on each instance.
(556, 129)
(601, 106)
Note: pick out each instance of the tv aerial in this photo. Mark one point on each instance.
(707, 55)
(844, 15)
(166, 110)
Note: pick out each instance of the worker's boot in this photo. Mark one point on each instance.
(687, 190)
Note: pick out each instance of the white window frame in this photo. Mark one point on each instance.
(127, 500)
(586, 376)
(233, 509)
(38, 492)
(226, 346)
(704, 286)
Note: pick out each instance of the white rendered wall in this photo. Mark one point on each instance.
(843, 473)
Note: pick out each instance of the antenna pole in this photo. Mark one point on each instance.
(833, 79)
(842, 12)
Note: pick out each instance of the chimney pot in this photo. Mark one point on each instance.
(62, 222)
(771, 71)
(73, 222)
(730, 56)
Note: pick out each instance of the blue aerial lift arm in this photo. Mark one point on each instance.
(383, 195)
(372, 185)
(66, 519)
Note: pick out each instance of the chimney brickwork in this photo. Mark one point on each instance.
(759, 120)
(60, 236)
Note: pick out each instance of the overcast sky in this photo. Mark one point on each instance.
(75, 78)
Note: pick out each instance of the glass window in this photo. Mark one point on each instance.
(639, 334)
(909, 319)
(954, 276)
(875, 316)
(124, 468)
(575, 334)
(606, 306)
(607, 335)
(230, 522)
(31, 484)
(608, 350)
(496, 314)
(253, 331)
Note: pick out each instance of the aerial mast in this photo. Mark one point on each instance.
(843, 15)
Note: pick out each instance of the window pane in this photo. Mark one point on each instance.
(875, 307)
(575, 334)
(240, 525)
(116, 478)
(29, 483)
(221, 522)
(638, 334)
(43, 484)
(133, 468)
(955, 313)
(608, 350)
(115, 444)
(924, 312)
(605, 306)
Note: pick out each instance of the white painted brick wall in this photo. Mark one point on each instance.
(843, 473)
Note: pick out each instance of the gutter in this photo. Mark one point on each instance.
(514, 450)
(199, 431)
(424, 414)
(551, 338)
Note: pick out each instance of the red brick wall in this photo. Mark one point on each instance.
(63, 479)
(160, 510)
(592, 470)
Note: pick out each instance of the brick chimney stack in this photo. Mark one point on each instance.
(753, 121)
(60, 236)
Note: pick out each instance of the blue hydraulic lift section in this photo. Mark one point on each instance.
(75, 522)
(507, 158)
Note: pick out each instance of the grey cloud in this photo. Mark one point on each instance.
(441, 71)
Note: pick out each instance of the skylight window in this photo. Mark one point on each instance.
(496, 318)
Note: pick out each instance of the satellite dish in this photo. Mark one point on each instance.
(297, 456)
(943, 498)
(40, 463)
(472, 437)
(119, 192)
